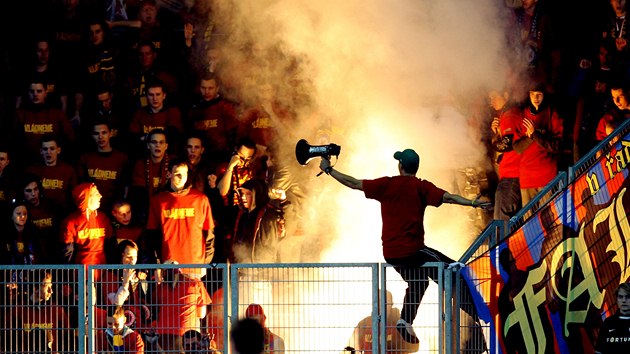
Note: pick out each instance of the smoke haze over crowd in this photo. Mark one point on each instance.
(374, 77)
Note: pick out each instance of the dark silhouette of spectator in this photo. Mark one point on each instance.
(273, 343)
(8, 178)
(591, 107)
(259, 225)
(247, 336)
(361, 339)
(195, 342)
(135, 86)
(616, 36)
(45, 66)
(99, 64)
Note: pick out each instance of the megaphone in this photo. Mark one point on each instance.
(304, 152)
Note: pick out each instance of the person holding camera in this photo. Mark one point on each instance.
(404, 199)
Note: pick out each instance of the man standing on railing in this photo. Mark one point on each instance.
(404, 199)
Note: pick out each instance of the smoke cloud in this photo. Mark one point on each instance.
(374, 77)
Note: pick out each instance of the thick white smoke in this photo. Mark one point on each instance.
(378, 76)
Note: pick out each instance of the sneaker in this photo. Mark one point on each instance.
(406, 331)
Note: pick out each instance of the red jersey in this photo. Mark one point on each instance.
(215, 119)
(538, 162)
(403, 202)
(143, 121)
(29, 322)
(510, 125)
(57, 181)
(88, 235)
(264, 127)
(106, 170)
(35, 123)
(157, 175)
(182, 218)
(180, 305)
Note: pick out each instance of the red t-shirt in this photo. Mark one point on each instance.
(216, 120)
(143, 121)
(57, 181)
(403, 202)
(182, 218)
(180, 305)
(25, 318)
(107, 170)
(34, 124)
(88, 235)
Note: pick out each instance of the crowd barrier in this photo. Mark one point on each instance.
(314, 308)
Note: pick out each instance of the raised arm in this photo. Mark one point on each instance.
(344, 179)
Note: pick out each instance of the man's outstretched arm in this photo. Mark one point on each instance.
(344, 179)
(458, 199)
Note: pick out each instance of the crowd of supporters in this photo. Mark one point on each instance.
(125, 121)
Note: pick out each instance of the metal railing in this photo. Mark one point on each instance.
(314, 308)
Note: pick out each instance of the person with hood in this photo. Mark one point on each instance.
(259, 224)
(539, 146)
(84, 232)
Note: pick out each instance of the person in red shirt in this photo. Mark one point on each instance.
(183, 302)
(506, 128)
(540, 144)
(106, 167)
(37, 118)
(85, 231)
(58, 178)
(214, 118)
(180, 225)
(404, 199)
(37, 316)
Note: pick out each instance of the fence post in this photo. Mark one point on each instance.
(446, 308)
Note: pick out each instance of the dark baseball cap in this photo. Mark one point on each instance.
(409, 159)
